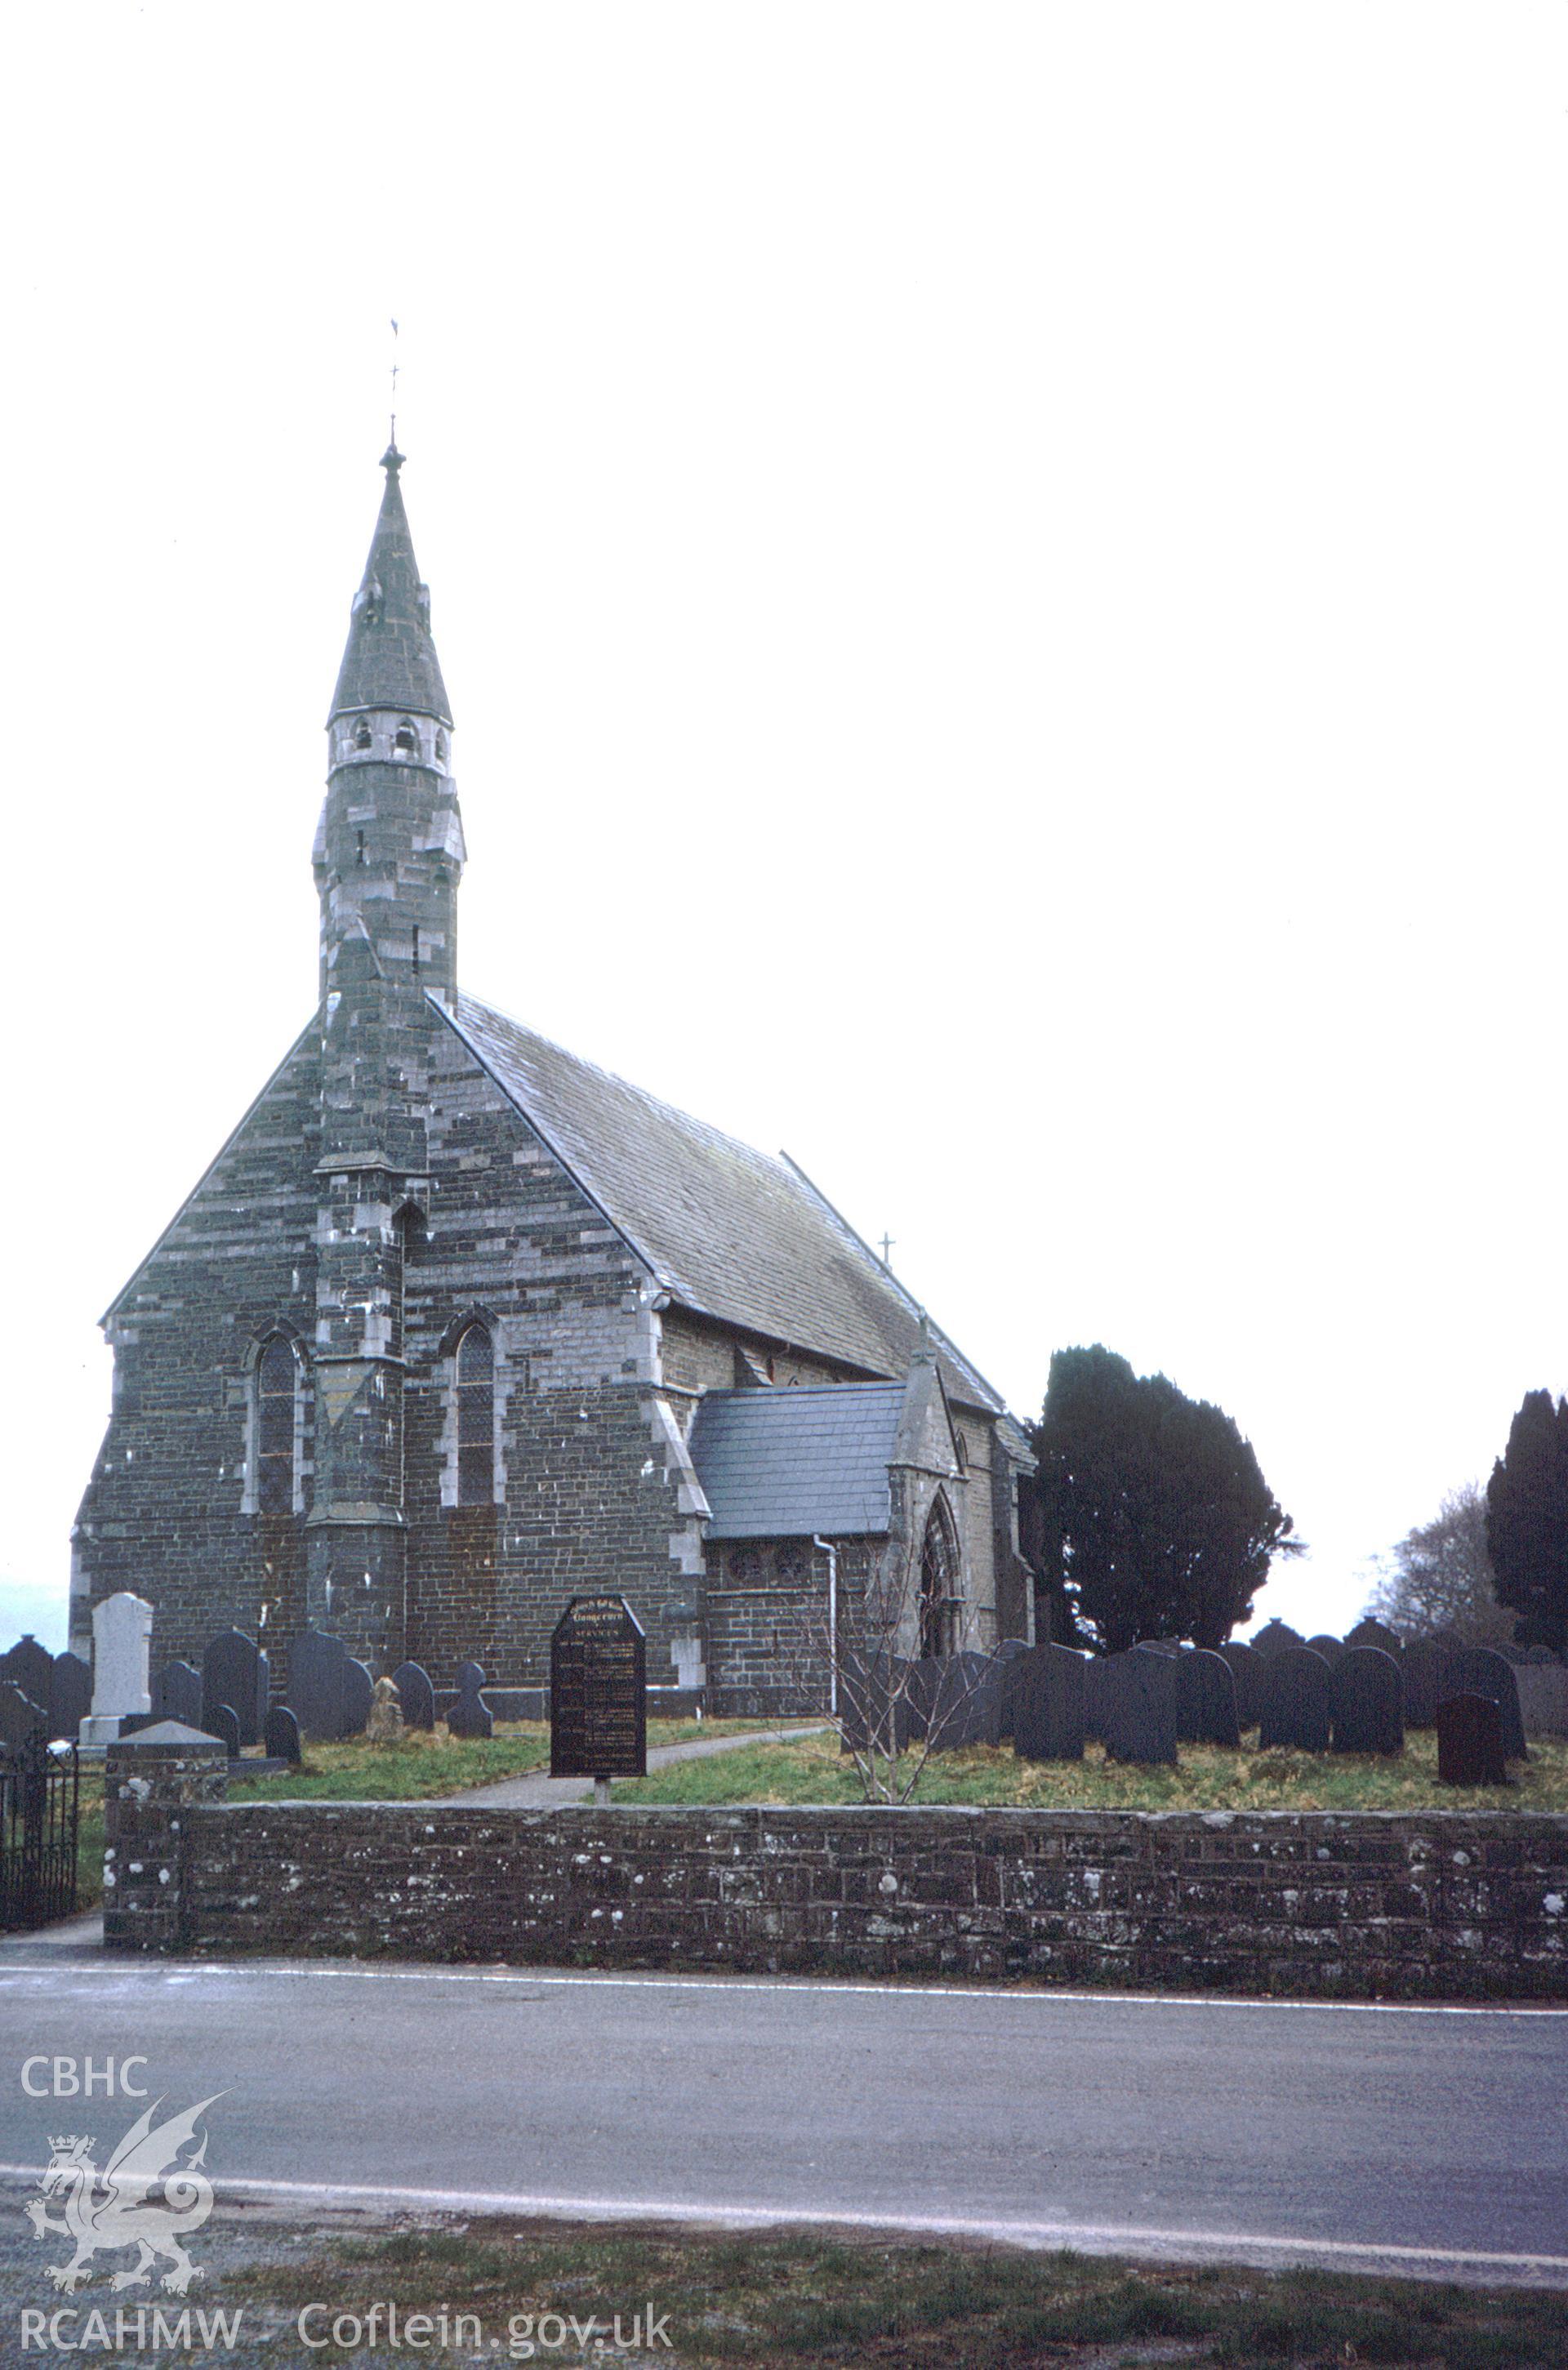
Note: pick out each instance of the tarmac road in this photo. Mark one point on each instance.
(1424, 2141)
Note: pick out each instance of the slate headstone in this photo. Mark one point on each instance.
(1295, 1710)
(869, 1705)
(70, 1693)
(31, 1667)
(1047, 1696)
(1429, 1668)
(1481, 1670)
(952, 1700)
(470, 1715)
(1469, 1741)
(1206, 1699)
(1365, 1702)
(1371, 1632)
(1277, 1637)
(416, 1695)
(177, 1693)
(234, 1673)
(21, 1720)
(1330, 1648)
(1246, 1667)
(330, 1692)
(1543, 1698)
(279, 1735)
(223, 1721)
(1138, 1707)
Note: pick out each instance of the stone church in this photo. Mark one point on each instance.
(458, 1323)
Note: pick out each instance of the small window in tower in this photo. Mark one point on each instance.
(277, 1386)
(416, 946)
(441, 748)
(361, 734)
(405, 741)
(476, 1417)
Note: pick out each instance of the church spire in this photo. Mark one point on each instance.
(389, 661)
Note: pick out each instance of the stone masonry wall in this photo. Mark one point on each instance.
(1438, 1904)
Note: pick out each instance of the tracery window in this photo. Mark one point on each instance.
(940, 1600)
(476, 1417)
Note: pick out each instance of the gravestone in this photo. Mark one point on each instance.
(233, 1671)
(1247, 1668)
(869, 1704)
(1047, 1691)
(177, 1693)
(330, 1691)
(1543, 1698)
(1429, 1668)
(1138, 1707)
(70, 1693)
(1330, 1648)
(470, 1715)
(30, 1667)
(598, 1691)
(1469, 1741)
(385, 1719)
(21, 1720)
(279, 1735)
(952, 1700)
(1365, 1702)
(1006, 1655)
(1206, 1699)
(122, 1636)
(1481, 1670)
(1296, 1701)
(1277, 1637)
(415, 1694)
(223, 1721)
(1376, 1633)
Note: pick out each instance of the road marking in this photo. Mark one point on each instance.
(217, 1970)
(1102, 2237)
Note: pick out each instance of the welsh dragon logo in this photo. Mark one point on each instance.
(113, 2208)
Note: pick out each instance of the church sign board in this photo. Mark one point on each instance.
(598, 1691)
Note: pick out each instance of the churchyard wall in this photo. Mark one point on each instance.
(1422, 1905)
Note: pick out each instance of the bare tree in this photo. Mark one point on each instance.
(1438, 1580)
(889, 1717)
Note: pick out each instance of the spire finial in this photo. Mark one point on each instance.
(392, 442)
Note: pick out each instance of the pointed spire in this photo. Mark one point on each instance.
(390, 659)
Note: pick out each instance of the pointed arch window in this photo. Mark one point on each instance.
(405, 740)
(361, 734)
(940, 1604)
(277, 1428)
(476, 1417)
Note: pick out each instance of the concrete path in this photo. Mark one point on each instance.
(1430, 2141)
(538, 1792)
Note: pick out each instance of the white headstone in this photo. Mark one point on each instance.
(122, 1650)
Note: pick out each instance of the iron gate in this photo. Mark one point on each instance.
(39, 1801)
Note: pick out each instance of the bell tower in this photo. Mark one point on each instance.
(388, 859)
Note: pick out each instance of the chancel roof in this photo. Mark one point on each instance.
(728, 1232)
(788, 1464)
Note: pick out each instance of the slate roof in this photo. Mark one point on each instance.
(787, 1464)
(728, 1232)
(389, 660)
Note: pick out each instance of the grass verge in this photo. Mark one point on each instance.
(767, 2301)
(423, 1762)
(1206, 1778)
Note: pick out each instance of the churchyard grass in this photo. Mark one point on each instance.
(1207, 1778)
(427, 1762)
(767, 2301)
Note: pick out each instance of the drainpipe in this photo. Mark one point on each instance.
(831, 1552)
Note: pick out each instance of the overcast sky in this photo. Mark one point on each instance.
(1001, 573)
